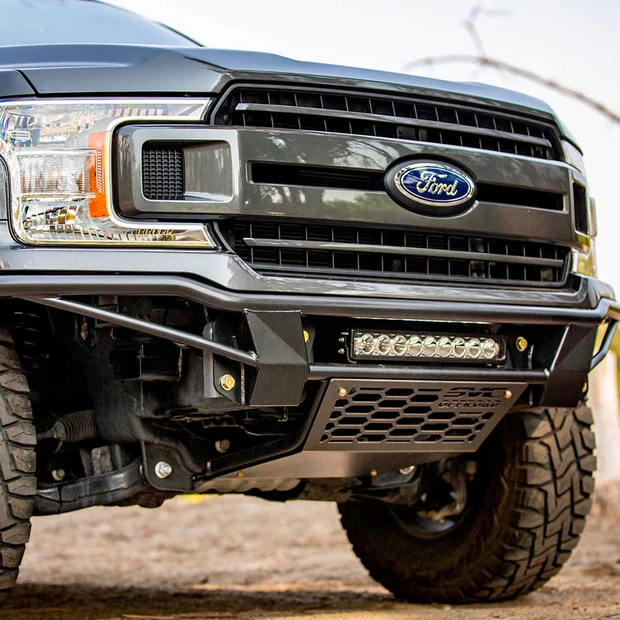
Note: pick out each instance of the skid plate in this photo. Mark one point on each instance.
(409, 416)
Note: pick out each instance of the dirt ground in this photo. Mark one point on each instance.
(236, 557)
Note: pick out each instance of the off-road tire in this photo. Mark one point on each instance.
(527, 518)
(17, 464)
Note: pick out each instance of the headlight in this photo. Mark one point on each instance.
(59, 154)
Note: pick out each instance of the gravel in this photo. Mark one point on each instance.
(238, 557)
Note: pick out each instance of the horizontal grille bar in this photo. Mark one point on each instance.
(372, 180)
(400, 117)
(383, 118)
(317, 176)
(387, 249)
(302, 250)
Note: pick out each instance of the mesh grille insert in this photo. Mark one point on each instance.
(162, 173)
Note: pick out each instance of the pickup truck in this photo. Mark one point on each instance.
(232, 272)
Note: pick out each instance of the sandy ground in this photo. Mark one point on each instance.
(236, 557)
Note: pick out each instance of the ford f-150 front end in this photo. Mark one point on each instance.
(232, 272)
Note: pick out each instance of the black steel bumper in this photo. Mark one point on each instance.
(281, 368)
(56, 290)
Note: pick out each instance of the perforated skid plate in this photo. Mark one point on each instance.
(409, 416)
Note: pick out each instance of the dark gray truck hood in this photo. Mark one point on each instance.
(136, 70)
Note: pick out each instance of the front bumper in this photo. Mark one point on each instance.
(276, 369)
(591, 305)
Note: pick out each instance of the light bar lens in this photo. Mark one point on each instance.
(58, 158)
(366, 345)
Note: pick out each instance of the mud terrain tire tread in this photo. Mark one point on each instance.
(17, 464)
(533, 519)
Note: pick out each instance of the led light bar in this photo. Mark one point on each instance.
(432, 347)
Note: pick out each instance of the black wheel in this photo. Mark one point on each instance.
(524, 511)
(17, 464)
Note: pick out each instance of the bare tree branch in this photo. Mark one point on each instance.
(471, 25)
(482, 59)
(500, 65)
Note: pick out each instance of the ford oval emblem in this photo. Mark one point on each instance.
(431, 187)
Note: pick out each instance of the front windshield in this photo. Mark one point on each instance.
(44, 22)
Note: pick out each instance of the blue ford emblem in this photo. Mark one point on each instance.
(431, 187)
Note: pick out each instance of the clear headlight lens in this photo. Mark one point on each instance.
(58, 154)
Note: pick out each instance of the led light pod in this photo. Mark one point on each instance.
(414, 346)
(364, 345)
(399, 345)
(444, 346)
(59, 153)
(431, 347)
(473, 348)
(490, 349)
(383, 344)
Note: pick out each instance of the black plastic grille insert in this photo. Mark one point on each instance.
(162, 173)
(298, 249)
(406, 118)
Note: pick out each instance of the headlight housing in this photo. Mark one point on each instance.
(59, 155)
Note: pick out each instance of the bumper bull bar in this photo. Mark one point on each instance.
(278, 319)
(52, 290)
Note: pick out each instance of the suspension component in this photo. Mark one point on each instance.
(73, 427)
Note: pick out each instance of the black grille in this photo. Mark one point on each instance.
(406, 118)
(415, 416)
(299, 250)
(162, 173)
